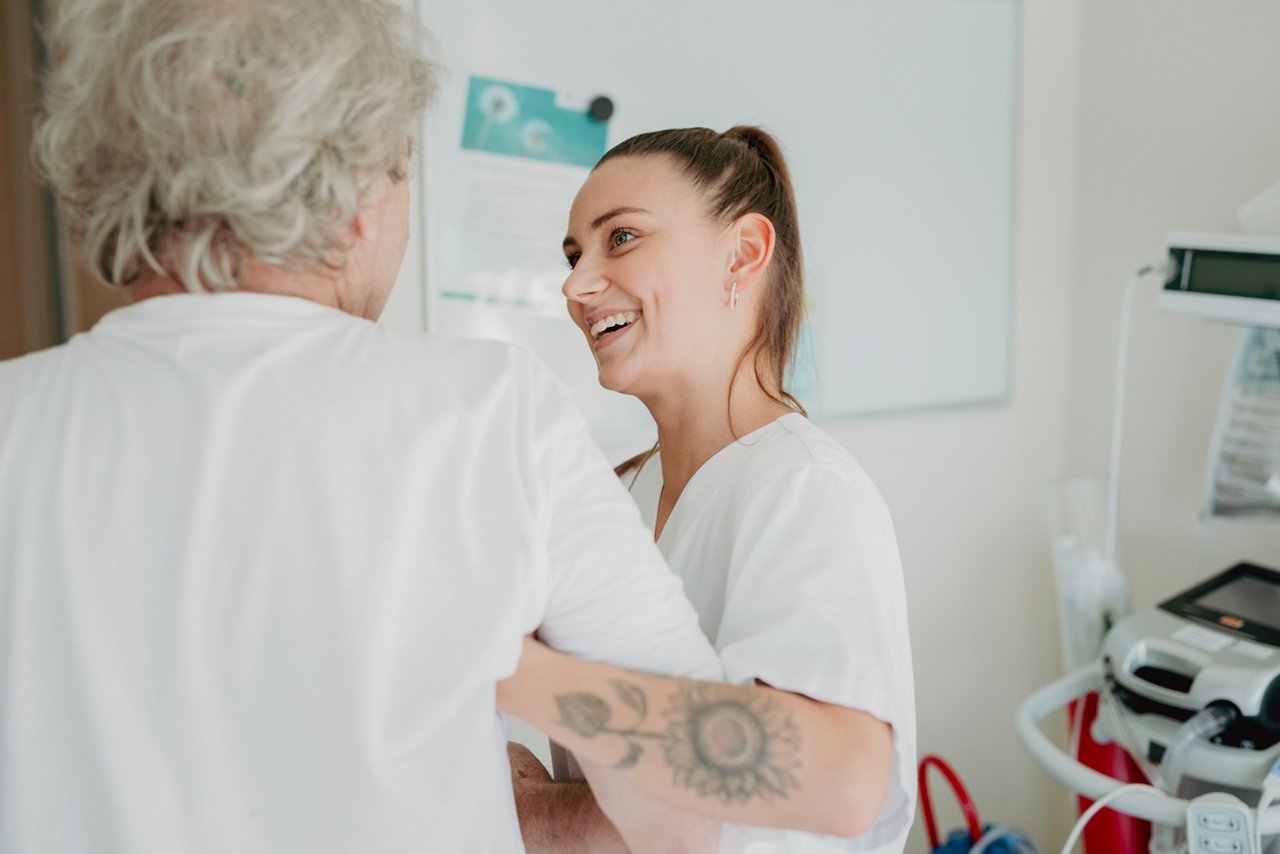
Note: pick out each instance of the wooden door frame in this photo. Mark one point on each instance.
(30, 286)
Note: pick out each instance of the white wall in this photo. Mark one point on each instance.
(1137, 117)
(1179, 125)
(968, 488)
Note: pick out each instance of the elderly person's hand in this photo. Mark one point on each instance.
(631, 820)
(525, 767)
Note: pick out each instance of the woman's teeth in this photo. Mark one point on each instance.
(613, 321)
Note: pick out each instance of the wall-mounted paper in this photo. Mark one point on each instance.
(504, 243)
(525, 121)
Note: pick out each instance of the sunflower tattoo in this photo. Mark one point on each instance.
(719, 740)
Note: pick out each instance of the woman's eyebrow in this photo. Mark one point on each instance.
(601, 220)
(608, 215)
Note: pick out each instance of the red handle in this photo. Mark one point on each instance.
(962, 795)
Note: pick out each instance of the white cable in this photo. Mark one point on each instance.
(1117, 409)
(1020, 844)
(1097, 807)
(993, 835)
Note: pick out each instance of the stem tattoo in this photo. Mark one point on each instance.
(721, 741)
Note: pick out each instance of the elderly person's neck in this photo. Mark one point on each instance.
(326, 287)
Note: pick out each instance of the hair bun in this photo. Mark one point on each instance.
(756, 138)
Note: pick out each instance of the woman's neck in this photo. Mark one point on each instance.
(694, 428)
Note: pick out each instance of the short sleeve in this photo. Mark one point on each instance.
(815, 605)
(610, 596)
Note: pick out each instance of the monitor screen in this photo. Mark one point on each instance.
(1237, 274)
(1251, 598)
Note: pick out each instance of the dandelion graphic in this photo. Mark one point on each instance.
(499, 105)
(535, 135)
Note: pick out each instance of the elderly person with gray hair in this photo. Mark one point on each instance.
(262, 561)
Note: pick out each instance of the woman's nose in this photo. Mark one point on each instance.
(582, 283)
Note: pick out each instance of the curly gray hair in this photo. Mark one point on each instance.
(187, 135)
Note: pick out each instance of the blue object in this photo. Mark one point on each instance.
(1010, 842)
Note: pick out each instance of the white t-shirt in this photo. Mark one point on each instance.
(261, 564)
(788, 553)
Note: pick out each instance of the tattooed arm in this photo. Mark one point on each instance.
(752, 755)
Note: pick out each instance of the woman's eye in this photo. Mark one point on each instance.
(619, 237)
(572, 259)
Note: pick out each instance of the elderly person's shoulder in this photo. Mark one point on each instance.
(469, 357)
(29, 367)
(387, 357)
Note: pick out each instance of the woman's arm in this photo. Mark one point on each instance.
(752, 755)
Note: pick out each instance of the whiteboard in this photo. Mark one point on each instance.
(897, 117)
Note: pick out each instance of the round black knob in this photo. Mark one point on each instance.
(601, 108)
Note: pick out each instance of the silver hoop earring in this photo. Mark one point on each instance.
(733, 296)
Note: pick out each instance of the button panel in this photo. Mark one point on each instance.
(1218, 823)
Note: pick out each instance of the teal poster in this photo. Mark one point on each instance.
(524, 121)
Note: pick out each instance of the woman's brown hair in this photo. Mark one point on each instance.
(742, 171)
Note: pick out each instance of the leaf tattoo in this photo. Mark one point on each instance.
(632, 696)
(585, 714)
(632, 757)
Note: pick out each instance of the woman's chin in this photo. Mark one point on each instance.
(614, 380)
(609, 383)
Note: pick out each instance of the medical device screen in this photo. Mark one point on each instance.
(1250, 598)
(1239, 274)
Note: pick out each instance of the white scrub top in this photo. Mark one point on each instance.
(261, 565)
(788, 554)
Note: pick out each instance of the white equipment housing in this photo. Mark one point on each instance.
(1234, 278)
(1153, 657)
(1215, 644)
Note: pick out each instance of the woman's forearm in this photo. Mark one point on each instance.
(647, 824)
(751, 755)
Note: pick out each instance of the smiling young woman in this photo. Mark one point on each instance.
(687, 282)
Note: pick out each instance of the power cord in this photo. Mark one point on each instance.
(1117, 409)
(1097, 807)
(1113, 490)
(1015, 841)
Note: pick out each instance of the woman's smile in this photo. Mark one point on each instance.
(605, 328)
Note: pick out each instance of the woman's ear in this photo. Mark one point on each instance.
(754, 238)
